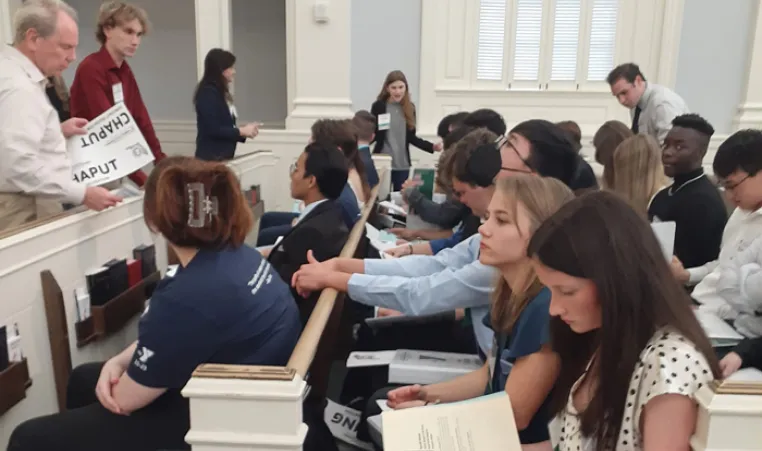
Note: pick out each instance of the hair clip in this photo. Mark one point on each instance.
(200, 206)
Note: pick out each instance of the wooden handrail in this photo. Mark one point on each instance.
(306, 347)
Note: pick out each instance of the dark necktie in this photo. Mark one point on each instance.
(635, 120)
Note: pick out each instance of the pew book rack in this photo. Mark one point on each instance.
(112, 316)
(14, 381)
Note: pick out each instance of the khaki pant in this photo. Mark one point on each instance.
(18, 209)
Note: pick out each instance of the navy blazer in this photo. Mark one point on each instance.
(217, 135)
(379, 107)
(324, 232)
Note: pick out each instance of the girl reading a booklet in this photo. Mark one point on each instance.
(633, 353)
(522, 362)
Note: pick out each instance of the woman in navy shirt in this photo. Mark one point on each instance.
(521, 362)
(224, 304)
(218, 135)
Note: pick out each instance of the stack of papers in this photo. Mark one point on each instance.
(417, 367)
(394, 208)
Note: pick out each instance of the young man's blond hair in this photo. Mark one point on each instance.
(112, 14)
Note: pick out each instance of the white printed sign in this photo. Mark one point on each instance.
(112, 148)
(342, 421)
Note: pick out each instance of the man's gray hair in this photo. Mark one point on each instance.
(41, 15)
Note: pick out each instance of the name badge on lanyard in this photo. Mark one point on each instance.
(384, 120)
(118, 92)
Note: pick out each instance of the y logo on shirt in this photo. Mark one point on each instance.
(143, 355)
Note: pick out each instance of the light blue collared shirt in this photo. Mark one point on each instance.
(424, 284)
(308, 209)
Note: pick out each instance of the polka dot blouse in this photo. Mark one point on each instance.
(670, 364)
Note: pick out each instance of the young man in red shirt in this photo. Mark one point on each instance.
(104, 78)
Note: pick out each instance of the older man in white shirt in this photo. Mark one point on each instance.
(35, 172)
(652, 107)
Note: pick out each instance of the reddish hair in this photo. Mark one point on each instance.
(167, 204)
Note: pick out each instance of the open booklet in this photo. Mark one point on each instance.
(481, 424)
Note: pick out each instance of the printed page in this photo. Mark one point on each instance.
(359, 359)
(665, 234)
(482, 424)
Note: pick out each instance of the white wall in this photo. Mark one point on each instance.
(165, 64)
(259, 43)
(713, 59)
(385, 36)
(67, 248)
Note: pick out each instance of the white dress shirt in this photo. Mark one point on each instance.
(424, 284)
(658, 106)
(732, 288)
(33, 157)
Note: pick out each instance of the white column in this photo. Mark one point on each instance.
(317, 61)
(750, 111)
(239, 414)
(214, 28)
(7, 8)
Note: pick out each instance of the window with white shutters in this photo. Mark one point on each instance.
(491, 50)
(527, 40)
(567, 41)
(602, 39)
(566, 18)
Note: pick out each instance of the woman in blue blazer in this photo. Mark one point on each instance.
(218, 135)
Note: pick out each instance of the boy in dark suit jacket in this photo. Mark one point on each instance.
(317, 179)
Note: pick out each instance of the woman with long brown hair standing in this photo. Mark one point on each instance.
(395, 126)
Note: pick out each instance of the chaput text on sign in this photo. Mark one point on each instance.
(112, 148)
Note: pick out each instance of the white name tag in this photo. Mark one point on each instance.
(118, 92)
(384, 120)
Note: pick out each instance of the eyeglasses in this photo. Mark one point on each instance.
(724, 184)
(504, 141)
(292, 168)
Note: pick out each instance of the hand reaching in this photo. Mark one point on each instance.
(249, 130)
(73, 126)
(312, 276)
(680, 273)
(404, 233)
(399, 251)
(406, 397)
(730, 364)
